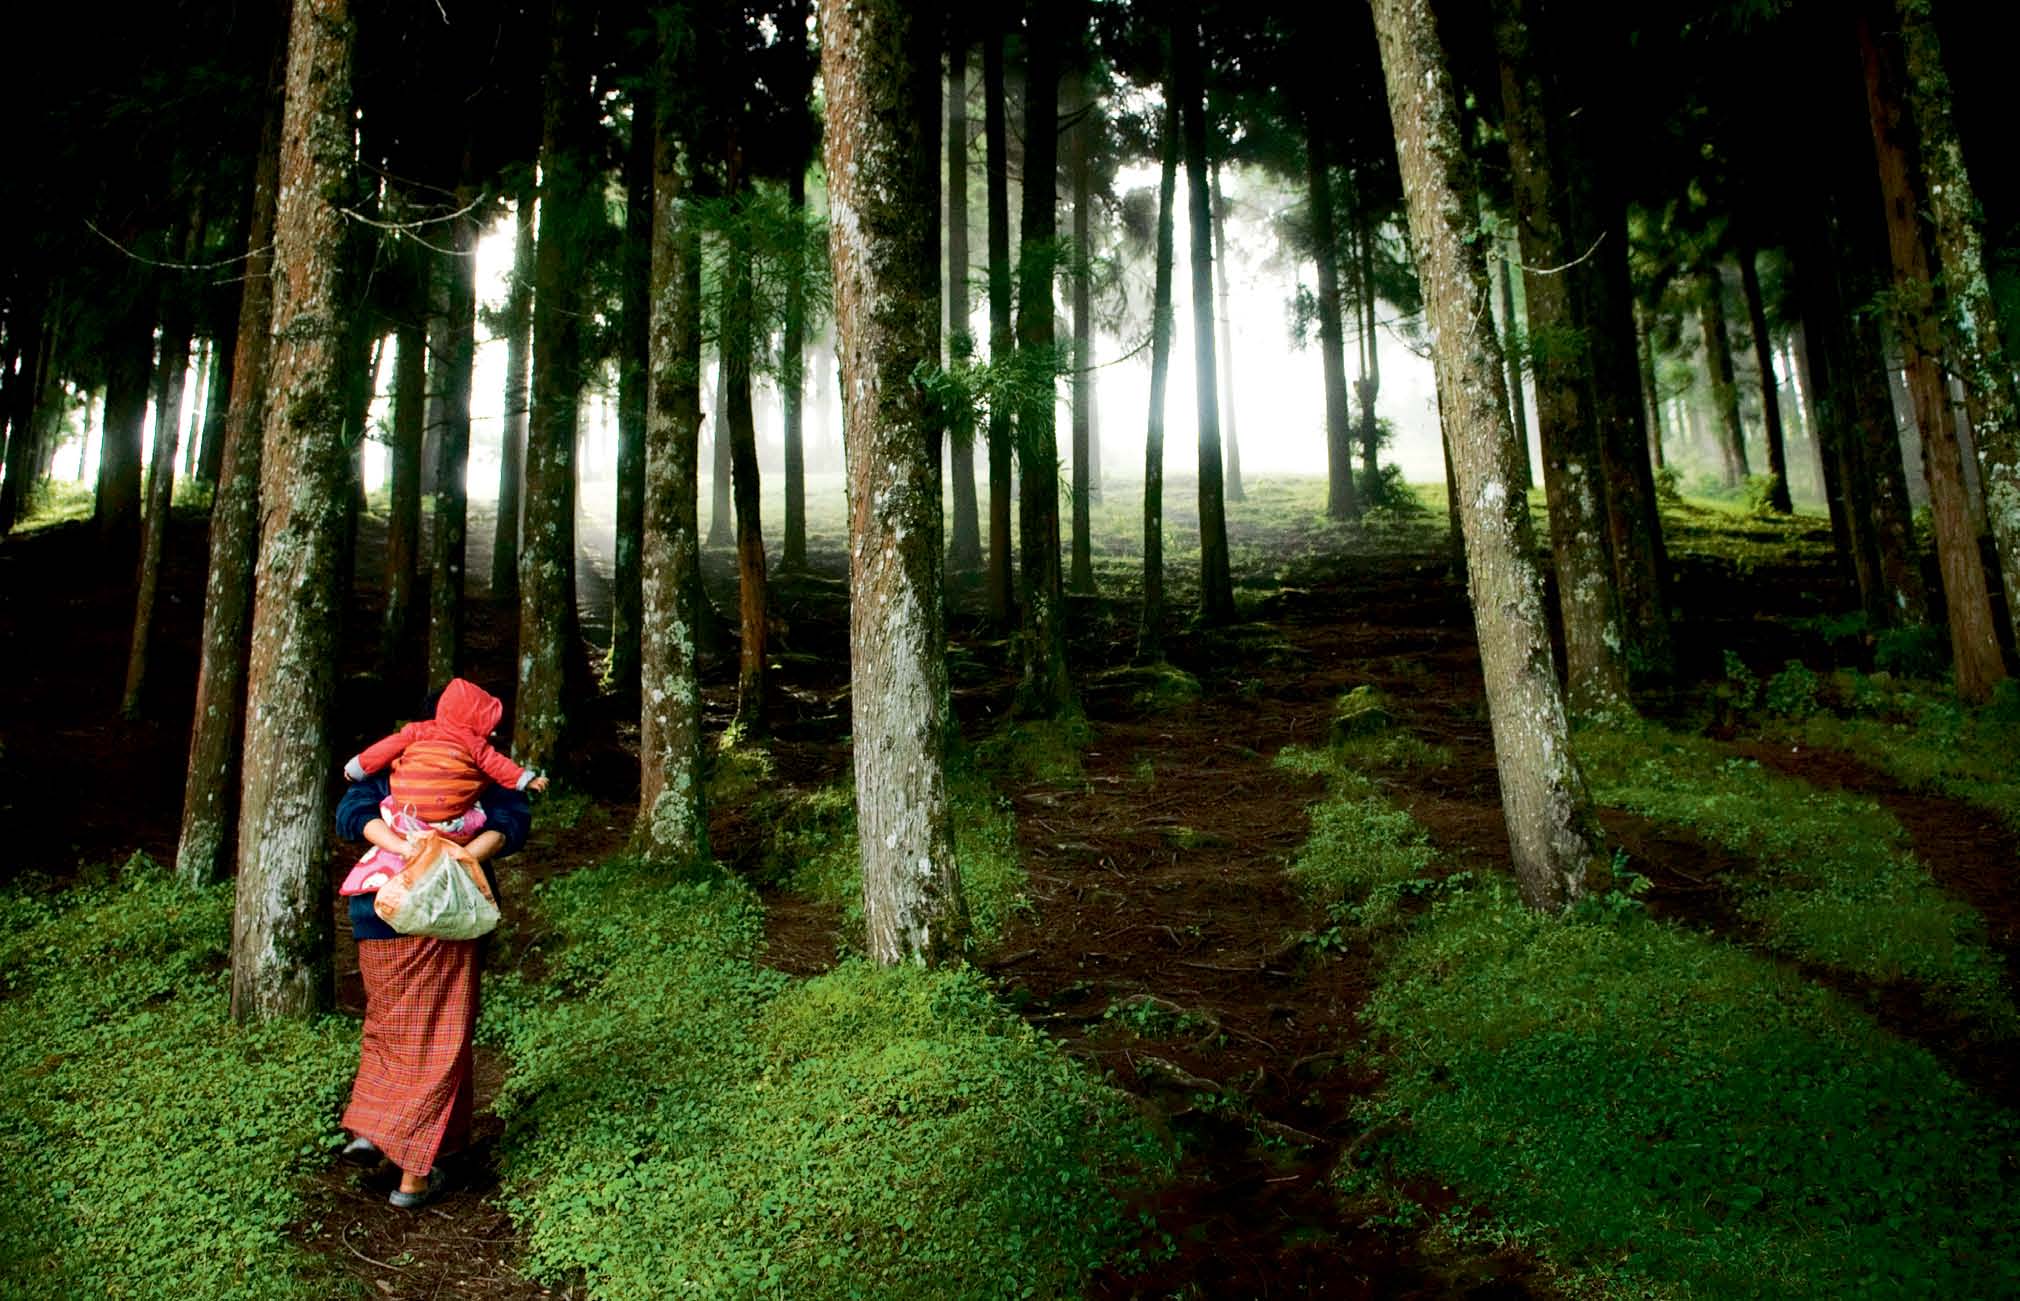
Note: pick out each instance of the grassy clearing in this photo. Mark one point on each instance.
(814, 851)
(1833, 880)
(683, 1121)
(147, 1146)
(1650, 1110)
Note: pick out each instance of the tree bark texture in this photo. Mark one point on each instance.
(452, 466)
(129, 367)
(1342, 502)
(1561, 358)
(199, 389)
(1976, 347)
(210, 789)
(1216, 584)
(403, 482)
(995, 129)
(1369, 384)
(1770, 401)
(1974, 641)
(1046, 690)
(673, 805)
(1552, 833)
(1225, 317)
(1651, 395)
(792, 383)
(874, 56)
(721, 514)
(1080, 578)
(621, 669)
(512, 447)
(569, 195)
(281, 924)
(965, 549)
(27, 337)
(1150, 630)
(738, 339)
(216, 404)
(171, 370)
(1731, 436)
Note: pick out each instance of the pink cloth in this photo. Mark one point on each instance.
(378, 865)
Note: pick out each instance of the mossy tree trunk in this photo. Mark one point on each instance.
(1552, 833)
(1150, 628)
(210, 788)
(1561, 358)
(1770, 400)
(878, 71)
(281, 923)
(512, 446)
(965, 549)
(634, 346)
(1216, 584)
(672, 807)
(1974, 640)
(995, 129)
(570, 193)
(1731, 435)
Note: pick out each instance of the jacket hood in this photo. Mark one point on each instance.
(468, 706)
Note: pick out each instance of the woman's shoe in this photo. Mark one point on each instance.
(361, 1151)
(438, 1183)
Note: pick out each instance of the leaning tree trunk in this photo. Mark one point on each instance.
(403, 475)
(281, 924)
(1976, 345)
(210, 789)
(129, 367)
(1770, 402)
(621, 669)
(1225, 317)
(1552, 833)
(965, 551)
(792, 377)
(1081, 578)
(1974, 640)
(1001, 340)
(1150, 632)
(1216, 586)
(672, 797)
(738, 341)
(1573, 479)
(452, 480)
(1342, 502)
(512, 434)
(1045, 690)
(569, 198)
(874, 56)
(171, 370)
(1718, 367)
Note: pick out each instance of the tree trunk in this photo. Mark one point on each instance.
(1369, 385)
(569, 197)
(512, 434)
(129, 367)
(1517, 409)
(216, 405)
(281, 925)
(721, 517)
(169, 382)
(1573, 476)
(965, 551)
(673, 802)
(1552, 833)
(1975, 336)
(738, 340)
(1770, 402)
(1225, 319)
(1216, 586)
(1045, 690)
(792, 381)
(621, 669)
(1881, 465)
(1342, 502)
(1718, 366)
(452, 479)
(1150, 631)
(874, 58)
(403, 478)
(210, 790)
(199, 393)
(1001, 340)
(28, 336)
(1081, 579)
(1974, 641)
(1651, 395)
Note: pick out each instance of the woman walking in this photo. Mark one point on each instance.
(411, 1100)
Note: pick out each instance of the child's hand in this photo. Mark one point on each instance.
(538, 784)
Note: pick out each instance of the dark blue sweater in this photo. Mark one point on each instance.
(505, 812)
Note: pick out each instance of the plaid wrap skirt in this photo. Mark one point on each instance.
(412, 1096)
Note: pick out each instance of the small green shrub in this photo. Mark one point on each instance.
(1037, 750)
(1360, 712)
(1741, 688)
(1793, 692)
(1918, 651)
(1760, 491)
(148, 1147)
(1364, 855)
(1667, 1113)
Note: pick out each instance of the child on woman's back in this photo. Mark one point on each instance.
(440, 766)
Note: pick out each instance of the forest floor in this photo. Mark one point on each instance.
(1160, 938)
